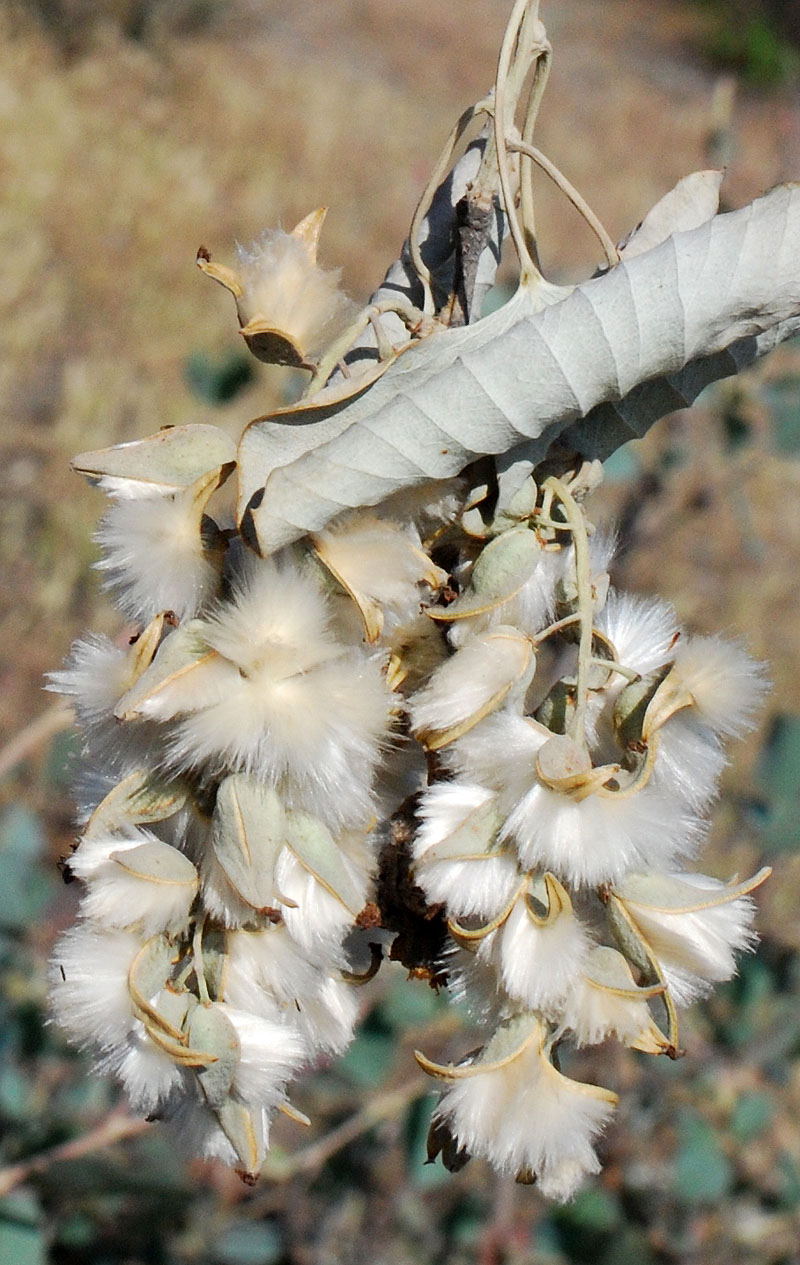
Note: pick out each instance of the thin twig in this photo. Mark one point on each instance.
(381, 1106)
(569, 190)
(55, 720)
(114, 1128)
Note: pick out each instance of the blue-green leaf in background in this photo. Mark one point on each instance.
(778, 780)
(25, 887)
(703, 1174)
(257, 1243)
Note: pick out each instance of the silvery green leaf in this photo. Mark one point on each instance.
(510, 1038)
(504, 566)
(158, 690)
(174, 1006)
(215, 960)
(668, 893)
(151, 968)
(248, 832)
(212, 1032)
(473, 839)
(693, 201)
(139, 798)
(608, 969)
(157, 862)
(631, 705)
(172, 459)
(629, 937)
(245, 1129)
(637, 342)
(316, 850)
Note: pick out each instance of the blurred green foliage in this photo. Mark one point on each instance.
(217, 380)
(756, 41)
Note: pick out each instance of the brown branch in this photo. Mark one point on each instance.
(54, 721)
(113, 1128)
(382, 1106)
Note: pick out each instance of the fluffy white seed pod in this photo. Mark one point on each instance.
(267, 969)
(137, 881)
(689, 760)
(604, 1002)
(285, 289)
(154, 557)
(197, 1131)
(284, 701)
(148, 1076)
(480, 885)
(538, 959)
(722, 682)
(271, 1051)
(528, 608)
(382, 566)
(89, 992)
(95, 676)
(642, 630)
(491, 669)
(526, 1118)
(219, 897)
(315, 919)
(694, 924)
(289, 308)
(586, 841)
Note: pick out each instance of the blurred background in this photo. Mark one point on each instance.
(133, 131)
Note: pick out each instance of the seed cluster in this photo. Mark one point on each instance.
(244, 748)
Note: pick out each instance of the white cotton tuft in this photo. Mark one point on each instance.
(538, 965)
(689, 760)
(267, 971)
(601, 838)
(284, 289)
(287, 703)
(148, 1076)
(273, 614)
(154, 557)
(89, 992)
(219, 897)
(726, 685)
(694, 925)
(490, 669)
(135, 881)
(583, 842)
(327, 1017)
(603, 1002)
(94, 677)
(525, 1117)
(528, 609)
(316, 920)
(265, 967)
(479, 887)
(499, 753)
(643, 631)
(270, 1053)
(383, 566)
(198, 1133)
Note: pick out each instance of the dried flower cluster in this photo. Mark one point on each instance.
(456, 655)
(564, 740)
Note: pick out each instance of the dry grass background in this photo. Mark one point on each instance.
(120, 157)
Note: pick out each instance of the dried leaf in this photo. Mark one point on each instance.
(636, 343)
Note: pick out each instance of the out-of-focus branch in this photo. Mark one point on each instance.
(382, 1106)
(113, 1128)
(54, 721)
